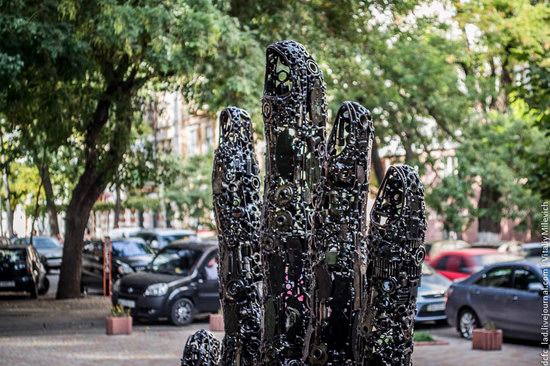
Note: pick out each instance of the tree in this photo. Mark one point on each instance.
(97, 55)
(506, 46)
(192, 192)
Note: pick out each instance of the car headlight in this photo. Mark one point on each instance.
(158, 289)
(124, 268)
(116, 286)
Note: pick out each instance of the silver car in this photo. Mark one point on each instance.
(430, 302)
(510, 295)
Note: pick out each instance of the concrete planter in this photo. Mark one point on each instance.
(118, 325)
(487, 340)
(215, 323)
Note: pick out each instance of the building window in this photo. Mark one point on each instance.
(192, 138)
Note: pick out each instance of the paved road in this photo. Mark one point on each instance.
(47, 332)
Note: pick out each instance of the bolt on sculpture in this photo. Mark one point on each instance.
(330, 295)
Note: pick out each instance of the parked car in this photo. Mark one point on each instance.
(159, 238)
(532, 251)
(182, 280)
(430, 302)
(49, 249)
(22, 270)
(433, 249)
(510, 295)
(129, 255)
(459, 264)
(124, 232)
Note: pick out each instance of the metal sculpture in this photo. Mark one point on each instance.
(236, 190)
(338, 250)
(294, 112)
(330, 294)
(395, 239)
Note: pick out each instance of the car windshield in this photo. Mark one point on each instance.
(11, 256)
(533, 251)
(130, 249)
(427, 270)
(175, 261)
(45, 243)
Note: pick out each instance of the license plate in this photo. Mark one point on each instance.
(127, 303)
(7, 283)
(436, 307)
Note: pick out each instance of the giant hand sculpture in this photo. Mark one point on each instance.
(301, 281)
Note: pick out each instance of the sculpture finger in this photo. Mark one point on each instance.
(201, 349)
(294, 112)
(236, 198)
(396, 253)
(338, 250)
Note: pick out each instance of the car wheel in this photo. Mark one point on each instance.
(467, 322)
(45, 286)
(182, 312)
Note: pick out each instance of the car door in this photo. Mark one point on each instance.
(525, 306)
(208, 285)
(92, 263)
(489, 293)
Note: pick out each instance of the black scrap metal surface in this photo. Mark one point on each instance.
(236, 191)
(301, 282)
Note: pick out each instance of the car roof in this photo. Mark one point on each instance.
(167, 231)
(520, 263)
(194, 244)
(16, 246)
(531, 245)
(470, 251)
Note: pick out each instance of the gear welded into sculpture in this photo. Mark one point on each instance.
(294, 112)
(396, 253)
(338, 247)
(236, 191)
(331, 296)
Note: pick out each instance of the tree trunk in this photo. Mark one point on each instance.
(489, 217)
(377, 163)
(100, 168)
(117, 206)
(50, 200)
(141, 219)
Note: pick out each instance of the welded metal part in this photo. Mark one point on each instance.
(201, 349)
(338, 246)
(396, 253)
(294, 111)
(236, 191)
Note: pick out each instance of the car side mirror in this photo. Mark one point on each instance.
(536, 287)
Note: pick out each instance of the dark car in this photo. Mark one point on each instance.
(22, 270)
(430, 302)
(48, 248)
(129, 255)
(159, 238)
(182, 280)
(507, 294)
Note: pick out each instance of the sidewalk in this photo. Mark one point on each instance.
(25, 316)
(71, 332)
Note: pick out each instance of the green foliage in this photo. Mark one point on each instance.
(503, 152)
(118, 311)
(193, 191)
(423, 337)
